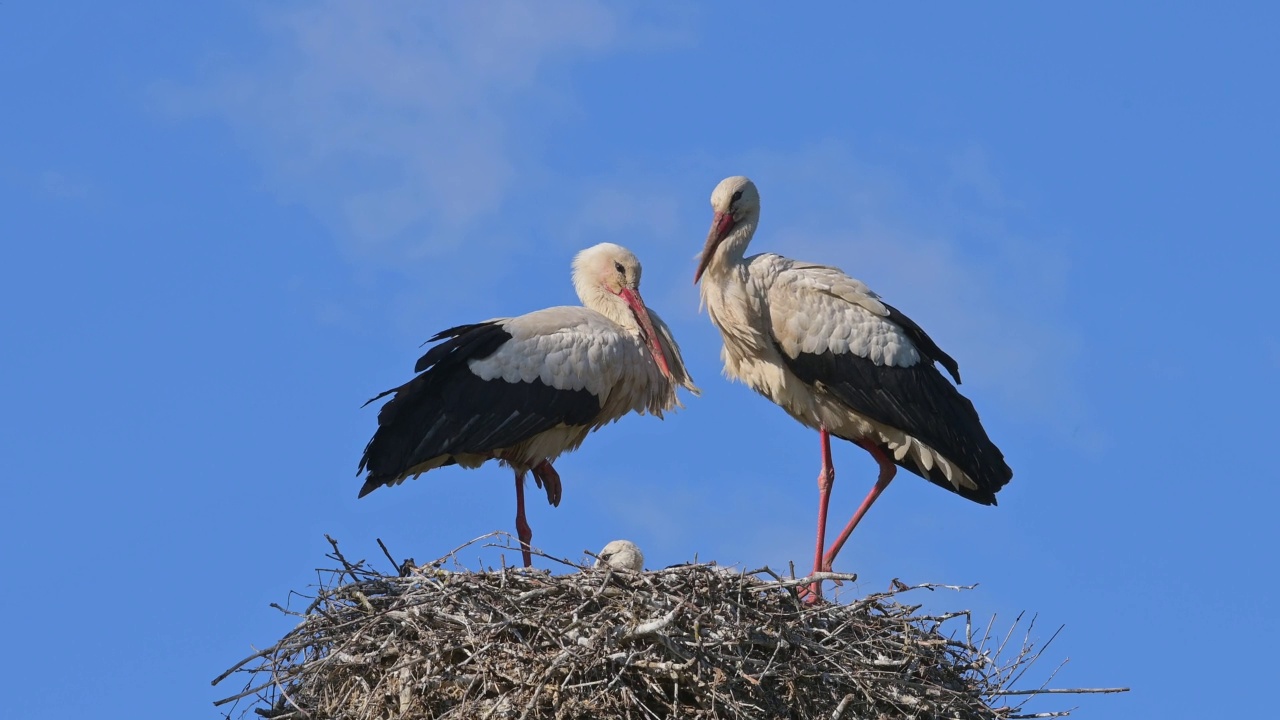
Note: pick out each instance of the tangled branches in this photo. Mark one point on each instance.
(691, 641)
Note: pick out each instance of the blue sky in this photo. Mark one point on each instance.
(227, 226)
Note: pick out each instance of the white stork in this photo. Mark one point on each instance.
(523, 390)
(841, 361)
(621, 554)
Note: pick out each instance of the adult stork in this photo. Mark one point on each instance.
(523, 390)
(841, 361)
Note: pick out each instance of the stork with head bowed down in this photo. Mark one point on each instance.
(621, 554)
(523, 390)
(842, 361)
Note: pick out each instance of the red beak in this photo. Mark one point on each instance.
(646, 327)
(721, 224)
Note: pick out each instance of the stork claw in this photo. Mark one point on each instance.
(548, 479)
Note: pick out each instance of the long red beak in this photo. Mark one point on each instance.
(646, 327)
(720, 226)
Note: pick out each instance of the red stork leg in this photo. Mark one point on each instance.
(547, 477)
(826, 479)
(522, 525)
(887, 471)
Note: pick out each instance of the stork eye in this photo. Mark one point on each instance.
(621, 270)
(736, 197)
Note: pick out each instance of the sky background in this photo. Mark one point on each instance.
(225, 226)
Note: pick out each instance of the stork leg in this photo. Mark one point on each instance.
(547, 478)
(522, 525)
(887, 471)
(826, 478)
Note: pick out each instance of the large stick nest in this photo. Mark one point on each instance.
(692, 641)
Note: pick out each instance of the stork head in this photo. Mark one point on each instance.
(621, 554)
(607, 278)
(736, 204)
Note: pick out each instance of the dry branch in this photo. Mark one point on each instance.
(692, 641)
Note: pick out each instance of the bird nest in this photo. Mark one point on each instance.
(690, 641)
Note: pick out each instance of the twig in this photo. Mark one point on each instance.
(242, 663)
(844, 703)
(387, 553)
(654, 626)
(1060, 691)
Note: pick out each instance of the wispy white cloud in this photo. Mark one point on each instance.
(406, 125)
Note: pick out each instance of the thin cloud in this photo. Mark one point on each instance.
(406, 125)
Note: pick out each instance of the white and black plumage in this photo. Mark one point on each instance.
(523, 390)
(842, 361)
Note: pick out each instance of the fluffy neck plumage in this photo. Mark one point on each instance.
(596, 297)
(730, 253)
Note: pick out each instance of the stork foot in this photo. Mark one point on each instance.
(548, 479)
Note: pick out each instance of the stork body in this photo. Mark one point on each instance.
(840, 360)
(526, 389)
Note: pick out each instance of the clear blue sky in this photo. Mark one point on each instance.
(227, 226)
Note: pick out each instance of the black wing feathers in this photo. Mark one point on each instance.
(467, 342)
(923, 342)
(919, 401)
(448, 410)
